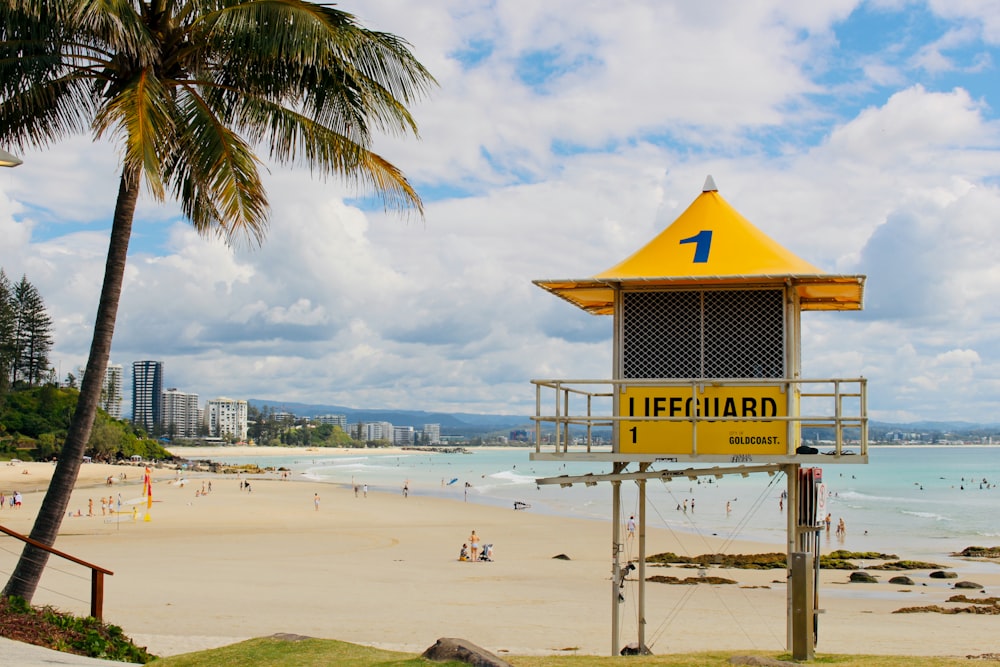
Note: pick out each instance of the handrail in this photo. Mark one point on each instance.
(96, 571)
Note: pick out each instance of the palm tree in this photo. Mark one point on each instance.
(189, 88)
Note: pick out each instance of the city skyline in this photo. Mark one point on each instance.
(862, 136)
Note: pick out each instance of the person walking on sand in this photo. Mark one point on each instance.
(474, 546)
(365, 490)
(316, 501)
(630, 527)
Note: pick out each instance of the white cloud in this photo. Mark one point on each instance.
(566, 137)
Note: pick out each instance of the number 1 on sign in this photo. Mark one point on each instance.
(634, 431)
(703, 244)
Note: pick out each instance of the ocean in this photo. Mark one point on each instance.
(918, 502)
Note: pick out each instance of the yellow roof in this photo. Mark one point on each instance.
(711, 244)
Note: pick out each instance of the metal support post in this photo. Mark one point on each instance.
(642, 561)
(801, 584)
(616, 567)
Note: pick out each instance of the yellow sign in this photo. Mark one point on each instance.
(731, 420)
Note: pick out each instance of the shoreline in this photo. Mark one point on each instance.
(383, 571)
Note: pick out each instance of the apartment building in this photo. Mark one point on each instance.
(147, 394)
(226, 416)
(180, 413)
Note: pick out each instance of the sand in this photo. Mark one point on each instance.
(208, 570)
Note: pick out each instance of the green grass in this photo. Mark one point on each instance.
(322, 652)
(304, 653)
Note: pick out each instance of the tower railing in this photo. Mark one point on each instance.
(574, 409)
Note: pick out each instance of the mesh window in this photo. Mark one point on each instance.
(655, 322)
(744, 334)
(703, 334)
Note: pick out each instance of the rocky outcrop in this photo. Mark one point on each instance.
(662, 579)
(968, 584)
(863, 578)
(460, 650)
(902, 581)
(941, 574)
(635, 649)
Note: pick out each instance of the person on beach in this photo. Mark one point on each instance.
(828, 521)
(464, 553)
(630, 527)
(316, 501)
(474, 545)
(364, 489)
(406, 489)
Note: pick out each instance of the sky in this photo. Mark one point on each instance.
(562, 136)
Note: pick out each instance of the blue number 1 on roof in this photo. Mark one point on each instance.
(703, 243)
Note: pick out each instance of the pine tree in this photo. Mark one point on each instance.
(7, 327)
(32, 336)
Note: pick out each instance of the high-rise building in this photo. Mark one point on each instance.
(336, 420)
(111, 390)
(111, 393)
(378, 431)
(180, 413)
(147, 393)
(226, 417)
(432, 434)
(402, 436)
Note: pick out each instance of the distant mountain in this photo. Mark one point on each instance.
(923, 426)
(450, 423)
(471, 424)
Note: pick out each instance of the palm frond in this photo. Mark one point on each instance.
(218, 170)
(295, 137)
(141, 112)
(42, 114)
(346, 76)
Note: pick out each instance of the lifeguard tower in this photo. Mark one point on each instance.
(707, 370)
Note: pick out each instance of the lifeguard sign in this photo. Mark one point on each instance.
(707, 347)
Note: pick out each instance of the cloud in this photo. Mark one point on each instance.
(562, 137)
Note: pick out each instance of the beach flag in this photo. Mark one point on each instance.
(147, 490)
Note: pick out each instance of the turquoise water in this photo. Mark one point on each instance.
(918, 502)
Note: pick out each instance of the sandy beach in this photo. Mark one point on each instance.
(207, 570)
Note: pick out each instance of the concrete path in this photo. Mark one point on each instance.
(28, 655)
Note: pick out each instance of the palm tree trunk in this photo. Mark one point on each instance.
(24, 580)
